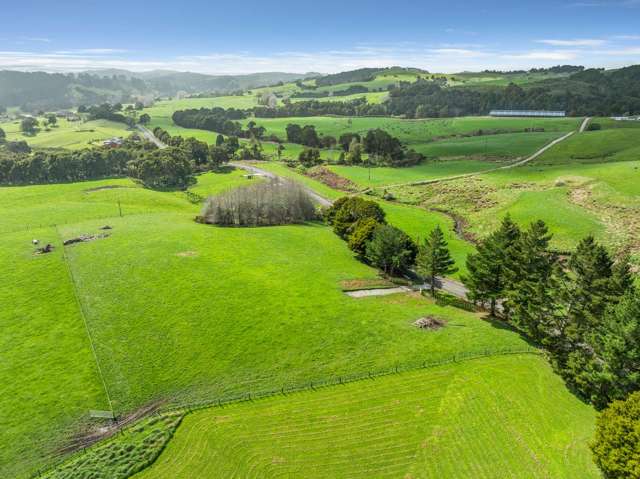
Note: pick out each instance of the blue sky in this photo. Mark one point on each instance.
(326, 36)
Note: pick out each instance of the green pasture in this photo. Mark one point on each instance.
(416, 131)
(181, 311)
(71, 135)
(607, 145)
(504, 146)
(490, 418)
(427, 170)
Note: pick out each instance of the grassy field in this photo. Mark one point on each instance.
(416, 131)
(70, 135)
(472, 419)
(574, 199)
(182, 311)
(607, 145)
(427, 170)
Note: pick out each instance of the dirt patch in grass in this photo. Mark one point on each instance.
(84, 239)
(332, 179)
(430, 323)
(105, 187)
(370, 283)
(187, 254)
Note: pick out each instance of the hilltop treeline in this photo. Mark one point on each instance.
(34, 91)
(586, 92)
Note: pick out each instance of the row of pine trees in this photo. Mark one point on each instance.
(584, 309)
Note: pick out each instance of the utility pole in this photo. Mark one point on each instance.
(119, 208)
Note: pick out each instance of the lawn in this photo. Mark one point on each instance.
(498, 417)
(70, 135)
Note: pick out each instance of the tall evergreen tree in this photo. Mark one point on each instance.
(532, 282)
(487, 268)
(434, 258)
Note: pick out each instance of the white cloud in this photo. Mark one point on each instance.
(582, 42)
(446, 58)
(544, 55)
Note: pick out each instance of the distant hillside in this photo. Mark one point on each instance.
(34, 91)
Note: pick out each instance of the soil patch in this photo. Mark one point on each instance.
(105, 187)
(430, 323)
(187, 254)
(85, 239)
(332, 179)
(356, 284)
(48, 248)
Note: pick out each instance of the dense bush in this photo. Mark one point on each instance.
(616, 447)
(273, 202)
(347, 211)
(391, 250)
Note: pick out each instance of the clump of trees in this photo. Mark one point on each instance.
(204, 157)
(584, 310)
(268, 203)
(363, 225)
(212, 119)
(616, 447)
(106, 111)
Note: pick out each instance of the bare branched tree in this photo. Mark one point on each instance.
(273, 202)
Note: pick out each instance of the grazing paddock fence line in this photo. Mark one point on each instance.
(186, 407)
(346, 378)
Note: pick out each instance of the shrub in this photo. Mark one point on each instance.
(391, 250)
(361, 234)
(352, 210)
(274, 202)
(616, 447)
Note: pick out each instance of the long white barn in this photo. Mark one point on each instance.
(530, 113)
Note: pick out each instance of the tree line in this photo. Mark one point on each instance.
(362, 224)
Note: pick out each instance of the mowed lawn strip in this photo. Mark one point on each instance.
(506, 416)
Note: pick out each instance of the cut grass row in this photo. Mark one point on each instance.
(471, 419)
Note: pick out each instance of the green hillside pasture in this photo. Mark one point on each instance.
(374, 97)
(508, 145)
(608, 145)
(427, 170)
(574, 199)
(609, 123)
(48, 372)
(29, 207)
(70, 135)
(415, 131)
(215, 311)
(490, 418)
(165, 108)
